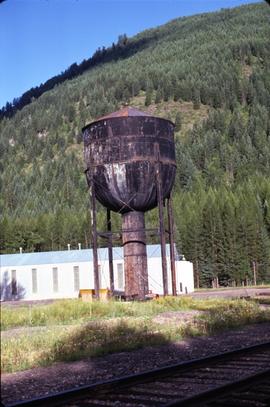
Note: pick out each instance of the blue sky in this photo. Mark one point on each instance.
(41, 38)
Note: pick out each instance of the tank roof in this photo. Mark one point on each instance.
(126, 111)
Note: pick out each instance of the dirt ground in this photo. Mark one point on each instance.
(232, 293)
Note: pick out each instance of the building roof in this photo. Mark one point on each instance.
(69, 256)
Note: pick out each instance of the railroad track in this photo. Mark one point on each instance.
(238, 378)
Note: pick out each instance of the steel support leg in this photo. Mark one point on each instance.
(94, 238)
(171, 239)
(161, 222)
(110, 251)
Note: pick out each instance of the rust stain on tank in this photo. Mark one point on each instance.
(122, 149)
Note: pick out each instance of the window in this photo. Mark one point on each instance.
(34, 281)
(14, 289)
(76, 274)
(120, 276)
(55, 279)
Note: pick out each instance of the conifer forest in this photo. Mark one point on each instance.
(210, 75)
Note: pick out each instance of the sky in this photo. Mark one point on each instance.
(42, 38)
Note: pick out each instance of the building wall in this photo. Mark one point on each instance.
(184, 276)
(47, 286)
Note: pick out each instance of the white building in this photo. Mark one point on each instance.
(61, 274)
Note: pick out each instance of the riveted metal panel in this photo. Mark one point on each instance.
(120, 152)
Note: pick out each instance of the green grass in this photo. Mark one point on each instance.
(68, 312)
(103, 328)
(262, 300)
(233, 314)
(74, 311)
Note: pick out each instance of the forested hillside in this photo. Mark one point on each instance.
(209, 73)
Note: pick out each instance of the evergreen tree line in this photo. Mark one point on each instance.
(221, 200)
(226, 233)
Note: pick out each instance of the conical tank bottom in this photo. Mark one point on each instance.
(121, 151)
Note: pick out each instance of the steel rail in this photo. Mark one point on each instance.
(225, 395)
(124, 385)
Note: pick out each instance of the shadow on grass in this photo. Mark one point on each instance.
(83, 345)
(123, 334)
(101, 338)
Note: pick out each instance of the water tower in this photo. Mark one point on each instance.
(130, 169)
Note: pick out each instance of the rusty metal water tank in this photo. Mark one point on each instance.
(122, 151)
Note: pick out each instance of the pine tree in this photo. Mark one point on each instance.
(148, 97)
(158, 97)
(196, 99)
(178, 122)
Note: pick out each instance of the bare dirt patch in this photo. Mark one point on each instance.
(177, 317)
(244, 292)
